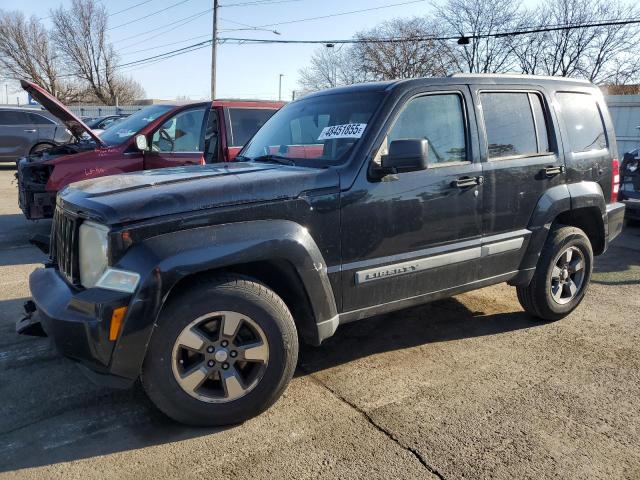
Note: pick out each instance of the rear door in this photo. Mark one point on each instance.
(17, 135)
(242, 125)
(46, 127)
(521, 161)
(179, 140)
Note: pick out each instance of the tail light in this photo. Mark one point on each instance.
(615, 180)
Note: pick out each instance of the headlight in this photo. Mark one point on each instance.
(94, 247)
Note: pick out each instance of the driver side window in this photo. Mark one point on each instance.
(437, 118)
(181, 133)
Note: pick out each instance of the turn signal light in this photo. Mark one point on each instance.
(116, 322)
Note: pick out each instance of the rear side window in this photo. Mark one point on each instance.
(583, 121)
(9, 117)
(36, 119)
(515, 123)
(245, 122)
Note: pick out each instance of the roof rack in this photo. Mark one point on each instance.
(518, 75)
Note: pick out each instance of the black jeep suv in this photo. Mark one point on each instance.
(349, 203)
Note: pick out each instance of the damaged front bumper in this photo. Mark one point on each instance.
(33, 198)
(77, 321)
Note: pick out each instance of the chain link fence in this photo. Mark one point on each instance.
(93, 111)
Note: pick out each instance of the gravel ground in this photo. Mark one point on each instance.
(468, 387)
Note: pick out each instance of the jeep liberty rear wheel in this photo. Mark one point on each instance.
(562, 275)
(222, 352)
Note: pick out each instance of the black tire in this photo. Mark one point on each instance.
(536, 298)
(228, 293)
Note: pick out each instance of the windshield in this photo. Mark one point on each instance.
(315, 131)
(124, 130)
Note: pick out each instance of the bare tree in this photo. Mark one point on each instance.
(330, 67)
(413, 52)
(488, 54)
(26, 52)
(601, 54)
(79, 33)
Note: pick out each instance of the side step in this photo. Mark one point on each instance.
(30, 323)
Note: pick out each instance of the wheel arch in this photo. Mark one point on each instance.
(267, 250)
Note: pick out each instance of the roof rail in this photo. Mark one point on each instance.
(518, 75)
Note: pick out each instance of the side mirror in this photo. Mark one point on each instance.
(141, 143)
(406, 156)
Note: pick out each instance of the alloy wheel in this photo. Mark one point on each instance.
(567, 277)
(220, 357)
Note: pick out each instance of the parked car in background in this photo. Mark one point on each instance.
(630, 185)
(100, 124)
(354, 202)
(28, 131)
(174, 135)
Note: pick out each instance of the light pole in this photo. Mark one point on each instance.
(280, 87)
(214, 42)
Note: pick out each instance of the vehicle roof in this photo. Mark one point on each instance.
(490, 79)
(237, 103)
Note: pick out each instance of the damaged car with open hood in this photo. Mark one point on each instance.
(157, 136)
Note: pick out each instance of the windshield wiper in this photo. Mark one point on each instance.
(274, 159)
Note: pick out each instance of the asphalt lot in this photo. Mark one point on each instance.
(468, 387)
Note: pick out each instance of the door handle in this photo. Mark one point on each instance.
(30, 130)
(553, 171)
(465, 182)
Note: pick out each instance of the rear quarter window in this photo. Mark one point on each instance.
(245, 122)
(582, 121)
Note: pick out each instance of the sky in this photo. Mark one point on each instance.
(244, 71)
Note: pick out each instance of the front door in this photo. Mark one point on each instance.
(178, 141)
(416, 233)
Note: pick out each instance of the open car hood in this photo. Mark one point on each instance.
(76, 126)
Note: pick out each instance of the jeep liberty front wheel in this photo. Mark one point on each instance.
(562, 275)
(222, 352)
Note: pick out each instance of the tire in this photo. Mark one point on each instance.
(222, 302)
(40, 147)
(537, 298)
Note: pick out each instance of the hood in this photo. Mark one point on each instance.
(148, 194)
(76, 126)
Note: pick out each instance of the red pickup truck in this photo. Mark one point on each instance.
(157, 136)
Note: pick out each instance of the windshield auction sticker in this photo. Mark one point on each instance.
(348, 130)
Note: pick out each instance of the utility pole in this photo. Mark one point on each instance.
(280, 87)
(214, 44)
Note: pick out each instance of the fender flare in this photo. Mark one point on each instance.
(171, 257)
(555, 201)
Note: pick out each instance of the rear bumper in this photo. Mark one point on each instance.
(631, 200)
(615, 220)
(78, 322)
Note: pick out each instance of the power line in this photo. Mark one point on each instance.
(149, 15)
(258, 3)
(129, 8)
(432, 38)
(208, 35)
(339, 14)
(182, 21)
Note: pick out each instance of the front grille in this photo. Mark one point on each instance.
(64, 245)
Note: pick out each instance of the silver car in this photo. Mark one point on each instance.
(26, 131)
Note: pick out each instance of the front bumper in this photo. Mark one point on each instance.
(33, 198)
(78, 322)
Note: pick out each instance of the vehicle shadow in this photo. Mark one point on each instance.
(67, 418)
(620, 265)
(15, 232)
